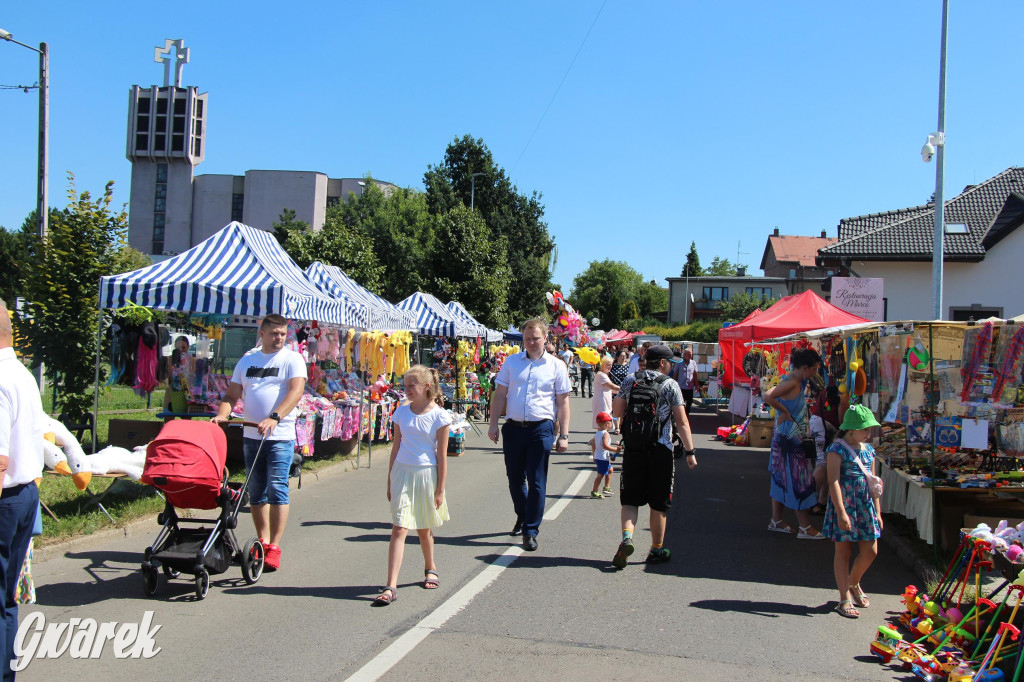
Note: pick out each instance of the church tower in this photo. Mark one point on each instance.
(166, 140)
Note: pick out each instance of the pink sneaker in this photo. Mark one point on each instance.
(272, 558)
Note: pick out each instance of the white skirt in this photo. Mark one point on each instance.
(412, 497)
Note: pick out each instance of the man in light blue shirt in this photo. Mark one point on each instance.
(532, 391)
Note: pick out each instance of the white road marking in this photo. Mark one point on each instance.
(401, 647)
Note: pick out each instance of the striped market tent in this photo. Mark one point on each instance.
(433, 318)
(460, 311)
(240, 270)
(380, 314)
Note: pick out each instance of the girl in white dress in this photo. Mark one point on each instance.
(416, 476)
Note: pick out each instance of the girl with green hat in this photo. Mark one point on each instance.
(853, 518)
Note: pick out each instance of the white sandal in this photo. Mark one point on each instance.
(779, 526)
(804, 535)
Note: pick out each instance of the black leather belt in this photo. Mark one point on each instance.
(516, 422)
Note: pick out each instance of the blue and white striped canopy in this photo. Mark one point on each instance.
(380, 315)
(460, 311)
(240, 270)
(433, 318)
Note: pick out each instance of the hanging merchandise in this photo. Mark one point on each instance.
(976, 370)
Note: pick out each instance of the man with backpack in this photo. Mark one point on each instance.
(647, 404)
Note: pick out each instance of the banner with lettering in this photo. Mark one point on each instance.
(859, 295)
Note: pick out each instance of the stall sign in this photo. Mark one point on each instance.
(861, 296)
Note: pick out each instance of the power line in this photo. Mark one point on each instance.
(552, 100)
(26, 88)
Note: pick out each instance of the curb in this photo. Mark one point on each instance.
(147, 524)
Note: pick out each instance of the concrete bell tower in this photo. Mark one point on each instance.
(166, 140)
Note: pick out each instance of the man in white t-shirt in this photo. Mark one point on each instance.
(271, 381)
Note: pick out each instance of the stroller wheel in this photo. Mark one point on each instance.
(253, 555)
(202, 584)
(149, 579)
(170, 572)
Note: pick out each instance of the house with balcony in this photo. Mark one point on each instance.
(695, 299)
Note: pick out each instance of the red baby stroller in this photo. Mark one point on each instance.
(186, 462)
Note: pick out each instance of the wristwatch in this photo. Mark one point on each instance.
(275, 416)
(691, 453)
(565, 436)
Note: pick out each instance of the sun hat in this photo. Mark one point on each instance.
(602, 417)
(858, 417)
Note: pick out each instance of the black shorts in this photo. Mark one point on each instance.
(647, 477)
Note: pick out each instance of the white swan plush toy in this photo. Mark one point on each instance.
(71, 459)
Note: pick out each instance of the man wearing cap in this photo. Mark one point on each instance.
(21, 463)
(532, 391)
(647, 475)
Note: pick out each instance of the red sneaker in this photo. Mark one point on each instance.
(272, 558)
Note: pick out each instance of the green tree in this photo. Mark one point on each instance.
(650, 299)
(692, 266)
(468, 267)
(513, 219)
(81, 245)
(14, 258)
(603, 289)
(721, 267)
(399, 226)
(629, 312)
(740, 305)
(336, 243)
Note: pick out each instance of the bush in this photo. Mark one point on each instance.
(701, 332)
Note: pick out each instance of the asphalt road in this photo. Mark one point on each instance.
(735, 602)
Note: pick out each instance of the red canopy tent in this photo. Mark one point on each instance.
(618, 337)
(797, 313)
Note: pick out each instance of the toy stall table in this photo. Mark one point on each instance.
(919, 502)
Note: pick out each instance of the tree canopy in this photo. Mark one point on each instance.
(615, 293)
(742, 304)
(691, 268)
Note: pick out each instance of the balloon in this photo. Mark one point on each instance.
(854, 365)
(588, 355)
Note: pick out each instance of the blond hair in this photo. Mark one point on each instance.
(606, 362)
(538, 323)
(427, 376)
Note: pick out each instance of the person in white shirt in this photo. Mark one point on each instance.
(271, 380)
(638, 358)
(21, 463)
(532, 391)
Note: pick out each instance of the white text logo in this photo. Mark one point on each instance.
(82, 638)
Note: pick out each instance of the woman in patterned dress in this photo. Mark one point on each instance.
(852, 518)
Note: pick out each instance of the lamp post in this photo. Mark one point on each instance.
(936, 145)
(44, 126)
(472, 188)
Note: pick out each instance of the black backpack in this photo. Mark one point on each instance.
(640, 425)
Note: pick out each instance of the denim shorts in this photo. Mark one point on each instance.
(268, 480)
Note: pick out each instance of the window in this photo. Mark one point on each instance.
(161, 173)
(237, 205)
(143, 106)
(761, 292)
(956, 228)
(141, 140)
(158, 233)
(716, 293)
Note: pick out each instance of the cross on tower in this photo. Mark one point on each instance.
(163, 55)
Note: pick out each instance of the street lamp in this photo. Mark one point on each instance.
(44, 126)
(935, 147)
(472, 188)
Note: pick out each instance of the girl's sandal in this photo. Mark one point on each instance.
(428, 582)
(779, 526)
(846, 610)
(387, 595)
(860, 600)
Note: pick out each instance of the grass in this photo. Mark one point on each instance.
(129, 501)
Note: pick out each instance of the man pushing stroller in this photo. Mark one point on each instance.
(271, 381)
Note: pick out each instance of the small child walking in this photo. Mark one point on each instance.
(852, 518)
(416, 476)
(601, 446)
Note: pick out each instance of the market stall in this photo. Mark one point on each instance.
(792, 314)
(380, 313)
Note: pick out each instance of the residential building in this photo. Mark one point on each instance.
(792, 258)
(982, 252)
(695, 299)
(171, 209)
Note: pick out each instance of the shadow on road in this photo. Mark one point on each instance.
(770, 609)
(544, 561)
(347, 592)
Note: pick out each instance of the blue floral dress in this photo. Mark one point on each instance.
(856, 497)
(792, 474)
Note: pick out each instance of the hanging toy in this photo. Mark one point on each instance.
(918, 356)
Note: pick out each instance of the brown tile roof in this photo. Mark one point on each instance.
(794, 249)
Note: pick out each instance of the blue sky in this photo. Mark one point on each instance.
(710, 122)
